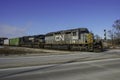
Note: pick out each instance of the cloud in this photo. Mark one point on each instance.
(11, 31)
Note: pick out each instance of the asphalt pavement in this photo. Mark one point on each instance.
(107, 69)
(23, 61)
(73, 66)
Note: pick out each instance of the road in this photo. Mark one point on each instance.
(21, 61)
(73, 66)
(107, 69)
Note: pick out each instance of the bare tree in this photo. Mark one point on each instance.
(114, 33)
(116, 26)
(111, 36)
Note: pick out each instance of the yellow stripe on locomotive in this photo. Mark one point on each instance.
(89, 38)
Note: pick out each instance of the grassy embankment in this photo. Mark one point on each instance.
(6, 51)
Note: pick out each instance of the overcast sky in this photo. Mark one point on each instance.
(31, 17)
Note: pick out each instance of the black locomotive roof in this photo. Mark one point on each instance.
(69, 30)
(2, 38)
(40, 35)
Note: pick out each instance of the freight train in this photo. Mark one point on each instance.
(72, 39)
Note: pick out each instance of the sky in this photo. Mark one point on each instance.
(32, 17)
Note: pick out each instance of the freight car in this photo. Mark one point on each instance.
(26, 41)
(73, 39)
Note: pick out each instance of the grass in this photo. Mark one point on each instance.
(8, 51)
(16, 51)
